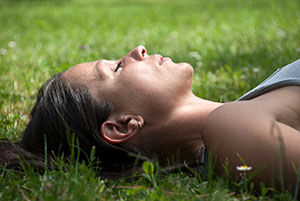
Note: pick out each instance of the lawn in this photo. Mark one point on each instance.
(232, 45)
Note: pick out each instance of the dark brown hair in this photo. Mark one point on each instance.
(61, 111)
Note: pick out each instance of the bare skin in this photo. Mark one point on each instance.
(255, 130)
(157, 93)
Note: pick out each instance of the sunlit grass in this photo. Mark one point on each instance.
(232, 45)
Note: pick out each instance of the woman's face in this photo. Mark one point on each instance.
(136, 83)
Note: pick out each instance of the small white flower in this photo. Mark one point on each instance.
(243, 168)
(245, 69)
(3, 51)
(243, 77)
(11, 44)
(199, 64)
(256, 70)
(195, 55)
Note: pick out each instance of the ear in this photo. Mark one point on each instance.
(117, 130)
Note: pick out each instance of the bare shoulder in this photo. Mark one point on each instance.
(235, 115)
(244, 129)
(279, 107)
(251, 130)
(243, 126)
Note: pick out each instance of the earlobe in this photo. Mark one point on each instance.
(119, 130)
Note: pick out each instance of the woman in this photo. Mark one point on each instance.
(144, 104)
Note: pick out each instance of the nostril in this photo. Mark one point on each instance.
(139, 53)
(144, 51)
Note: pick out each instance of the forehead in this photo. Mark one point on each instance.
(81, 73)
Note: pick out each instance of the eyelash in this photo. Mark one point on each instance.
(118, 66)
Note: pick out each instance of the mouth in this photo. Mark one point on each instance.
(162, 59)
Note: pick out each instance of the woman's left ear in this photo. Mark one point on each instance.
(119, 129)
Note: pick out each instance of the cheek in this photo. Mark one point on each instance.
(139, 90)
(136, 86)
(144, 84)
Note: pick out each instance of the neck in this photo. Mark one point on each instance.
(180, 131)
(193, 111)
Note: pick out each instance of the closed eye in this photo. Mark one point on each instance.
(118, 66)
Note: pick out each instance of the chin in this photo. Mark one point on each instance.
(188, 68)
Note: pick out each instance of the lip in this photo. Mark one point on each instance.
(165, 59)
(162, 59)
(159, 58)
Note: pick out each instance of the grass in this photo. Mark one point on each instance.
(232, 45)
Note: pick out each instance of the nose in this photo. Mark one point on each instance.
(139, 53)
